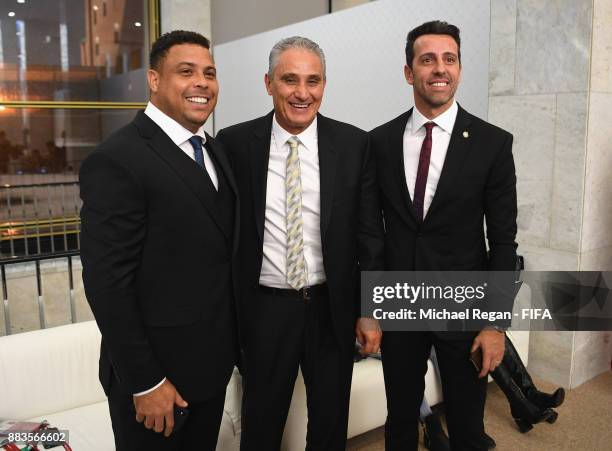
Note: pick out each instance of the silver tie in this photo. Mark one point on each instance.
(296, 265)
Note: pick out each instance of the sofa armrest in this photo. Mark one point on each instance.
(49, 370)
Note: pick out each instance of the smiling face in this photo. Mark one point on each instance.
(435, 73)
(296, 87)
(185, 86)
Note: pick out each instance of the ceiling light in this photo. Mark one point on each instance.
(137, 24)
(95, 7)
(20, 1)
(11, 14)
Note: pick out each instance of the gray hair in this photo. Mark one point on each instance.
(294, 42)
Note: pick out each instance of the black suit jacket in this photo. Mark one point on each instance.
(157, 263)
(477, 182)
(351, 226)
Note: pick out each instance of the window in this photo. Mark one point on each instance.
(67, 81)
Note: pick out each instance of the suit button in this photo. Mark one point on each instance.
(419, 235)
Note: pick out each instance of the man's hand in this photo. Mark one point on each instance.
(492, 344)
(157, 407)
(368, 335)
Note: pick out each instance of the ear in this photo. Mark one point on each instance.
(408, 74)
(268, 82)
(153, 80)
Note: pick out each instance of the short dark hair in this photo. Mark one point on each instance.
(167, 40)
(433, 27)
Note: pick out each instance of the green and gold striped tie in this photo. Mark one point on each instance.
(296, 265)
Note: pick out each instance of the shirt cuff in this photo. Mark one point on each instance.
(150, 389)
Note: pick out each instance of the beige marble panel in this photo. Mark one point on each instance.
(546, 259)
(597, 219)
(553, 44)
(550, 356)
(185, 15)
(534, 211)
(531, 119)
(338, 5)
(601, 62)
(502, 47)
(591, 357)
(568, 173)
(596, 259)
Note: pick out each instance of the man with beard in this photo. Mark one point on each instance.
(442, 172)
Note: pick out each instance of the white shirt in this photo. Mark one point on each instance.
(180, 136)
(274, 264)
(413, 140)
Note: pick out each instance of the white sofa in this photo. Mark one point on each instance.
(52, 374)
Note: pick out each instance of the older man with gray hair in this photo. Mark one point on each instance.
(310, 221)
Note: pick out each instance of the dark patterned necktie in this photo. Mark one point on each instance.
(196, 143)
(423, 170)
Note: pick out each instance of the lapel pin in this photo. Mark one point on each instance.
(466, 134)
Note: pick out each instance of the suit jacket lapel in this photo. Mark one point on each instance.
(259, 155)
(229, 176)
(396, 144)
(456, 155)
(186, 169)
(327, 171)
(222, 160)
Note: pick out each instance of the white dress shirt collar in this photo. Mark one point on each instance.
(446, 121)
(308, 138)
(177, 133)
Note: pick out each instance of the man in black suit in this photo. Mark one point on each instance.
(442, 172)
(159, 232)
(310, 221)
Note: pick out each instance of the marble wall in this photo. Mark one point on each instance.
(550, 83)
(186, 15)
(593, 350)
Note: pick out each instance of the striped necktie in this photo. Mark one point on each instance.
(296, 265)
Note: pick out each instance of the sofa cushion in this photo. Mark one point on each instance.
(89, 427)
(49, 370)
